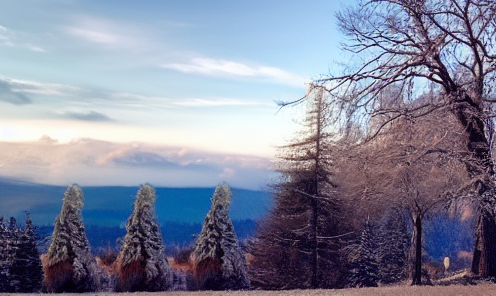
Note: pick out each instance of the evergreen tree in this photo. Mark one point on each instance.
(219, 262)
(68, 263)
(26, 273)
(393, 247)
(364, 260)
(4, 271)
(295, 246)
(142, 264)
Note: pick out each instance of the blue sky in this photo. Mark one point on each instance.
(158, 78)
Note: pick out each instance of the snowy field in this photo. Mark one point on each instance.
(480, 289)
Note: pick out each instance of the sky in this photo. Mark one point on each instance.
(177, 93)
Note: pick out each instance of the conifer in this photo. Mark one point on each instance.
(219, 262)
(26, 273)
(365, 267)
(142, 264)
(393, 247)
(4, 283)
(68, 264)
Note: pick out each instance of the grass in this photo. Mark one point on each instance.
(483, 288)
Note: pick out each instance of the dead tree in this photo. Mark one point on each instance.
(415, 45)
(419, 167)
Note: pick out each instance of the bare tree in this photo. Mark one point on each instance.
(415, 166)
(414, 45)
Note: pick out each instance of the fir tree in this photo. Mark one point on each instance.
(365, 268)
(142, 264)
(4, 271)
(393, 247)
(219, 262)
(296, 246)
(68, 263)
(26, 273)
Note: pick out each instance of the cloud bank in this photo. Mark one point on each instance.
(99, 163)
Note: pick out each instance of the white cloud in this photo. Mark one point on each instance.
(11, 38)
(36, 48)
(213, 67)
(218, 102)
(35, 87)
(109, 33)
(95, 36)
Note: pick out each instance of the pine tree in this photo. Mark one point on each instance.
(393, 247)
(295, 246)
(365, 267)
(68, 264)
(26, 273)
(219, 262)
(142, 264)
(4, 271)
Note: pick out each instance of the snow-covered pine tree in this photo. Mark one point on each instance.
(26, 273)
(393, 247)
(219, 263)
(4, 282)
(142, 264)
(68, 264)
(364, 260)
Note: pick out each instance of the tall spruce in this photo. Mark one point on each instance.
(394, 246)
(4, 270)
(68, 264)
(295, 246)
(219, 263)
(141, 263)
(364, 257)
(26, 273)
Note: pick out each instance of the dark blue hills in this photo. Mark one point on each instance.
(111, 205)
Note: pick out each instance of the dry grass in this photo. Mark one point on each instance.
(480, 289)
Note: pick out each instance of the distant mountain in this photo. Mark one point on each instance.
(111, 205)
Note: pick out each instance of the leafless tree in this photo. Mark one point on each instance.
(416, 166)
(415, 45)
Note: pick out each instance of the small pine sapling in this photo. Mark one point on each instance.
(219, 263)
(142, 264)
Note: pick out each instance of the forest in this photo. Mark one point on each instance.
(404, 136)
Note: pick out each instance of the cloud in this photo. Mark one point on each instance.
(40, 88)
(213, 67)
(110, 33)
(87, 116)
(8, 94)
(12, 38)
(91, 162)
(218, 102)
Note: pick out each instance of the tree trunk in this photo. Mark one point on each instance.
(315, 251)
(470, 115)
(484, 253)
(417, 273)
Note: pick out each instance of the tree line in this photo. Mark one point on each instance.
(216, 261)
